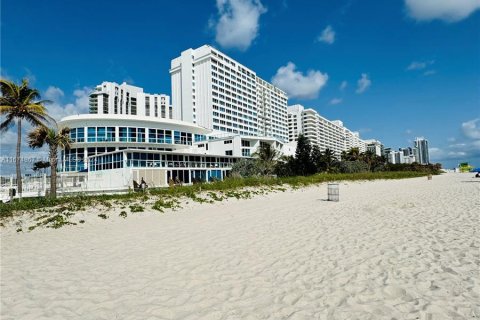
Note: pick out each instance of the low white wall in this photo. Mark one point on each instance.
(113, 179)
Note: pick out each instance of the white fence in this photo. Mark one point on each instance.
(39, 185)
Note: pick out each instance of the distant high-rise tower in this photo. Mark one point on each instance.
(421, 144)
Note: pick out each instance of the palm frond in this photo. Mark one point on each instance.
(7, 87)
(6, 108)
(37, 137)
(5, 125)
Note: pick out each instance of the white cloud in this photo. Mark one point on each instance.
(446, 10)
(363, 83)
(327, 35)
(429, 73)
(415, 65)
(419, 65)
(298, 85)
(343, 85)
(466, 148)
(58, 110)
(336, 101)
(471, 129)
(238, 22)
(53, 93)
(435, 152)
(455, 154)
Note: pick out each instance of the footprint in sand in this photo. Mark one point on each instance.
(394, 292)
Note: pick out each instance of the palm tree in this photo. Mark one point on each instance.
(353, 154)
(329, 159)
(369, 158)
(18, 103)
(267, 156)
(54, 139)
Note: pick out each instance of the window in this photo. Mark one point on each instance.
(74, 160)
(91, 134)
(227, 142)
(147, 106)
(228, 152)
(245, 143)
(200, 137)
(245, 152)
(128, 134)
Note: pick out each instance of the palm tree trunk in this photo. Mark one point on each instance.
(53, 169)
(17, 159)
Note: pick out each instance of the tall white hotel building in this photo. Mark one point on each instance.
(217, 92)
(322, 132)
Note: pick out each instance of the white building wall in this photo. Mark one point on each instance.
(295, 123)
(271, 111)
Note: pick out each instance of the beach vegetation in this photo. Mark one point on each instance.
(136, 208)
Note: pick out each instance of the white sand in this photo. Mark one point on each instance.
(406, 249)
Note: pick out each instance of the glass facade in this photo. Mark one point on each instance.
(74, 160)
(77, 135)
(133, 134)
(130, 134)
(159, 136)
(106, 162)
(200, 137)
(153, 160)
(100, 134)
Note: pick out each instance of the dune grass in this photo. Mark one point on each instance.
(228, 188)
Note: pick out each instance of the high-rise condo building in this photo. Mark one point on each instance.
(114, 98)
(352, 140)
(214, 91)
(421, 146)
(322, 132)
(375, 147)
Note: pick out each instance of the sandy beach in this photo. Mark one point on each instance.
(403, 249)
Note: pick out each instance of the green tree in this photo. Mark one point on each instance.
(329, 159)
(266, 156)
(245, 168)
(303, 158)
(285, 166)
(39, 165)
(353, 154)
(317, 159)
(55, 139)
(21, 103)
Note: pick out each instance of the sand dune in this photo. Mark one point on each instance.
(405, 249)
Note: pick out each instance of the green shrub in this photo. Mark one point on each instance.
(352, 167)
(136, 208)
(161, 204)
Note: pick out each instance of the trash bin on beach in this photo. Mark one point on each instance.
(429, 177)
(333, 192)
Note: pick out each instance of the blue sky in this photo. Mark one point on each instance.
(392, 70)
